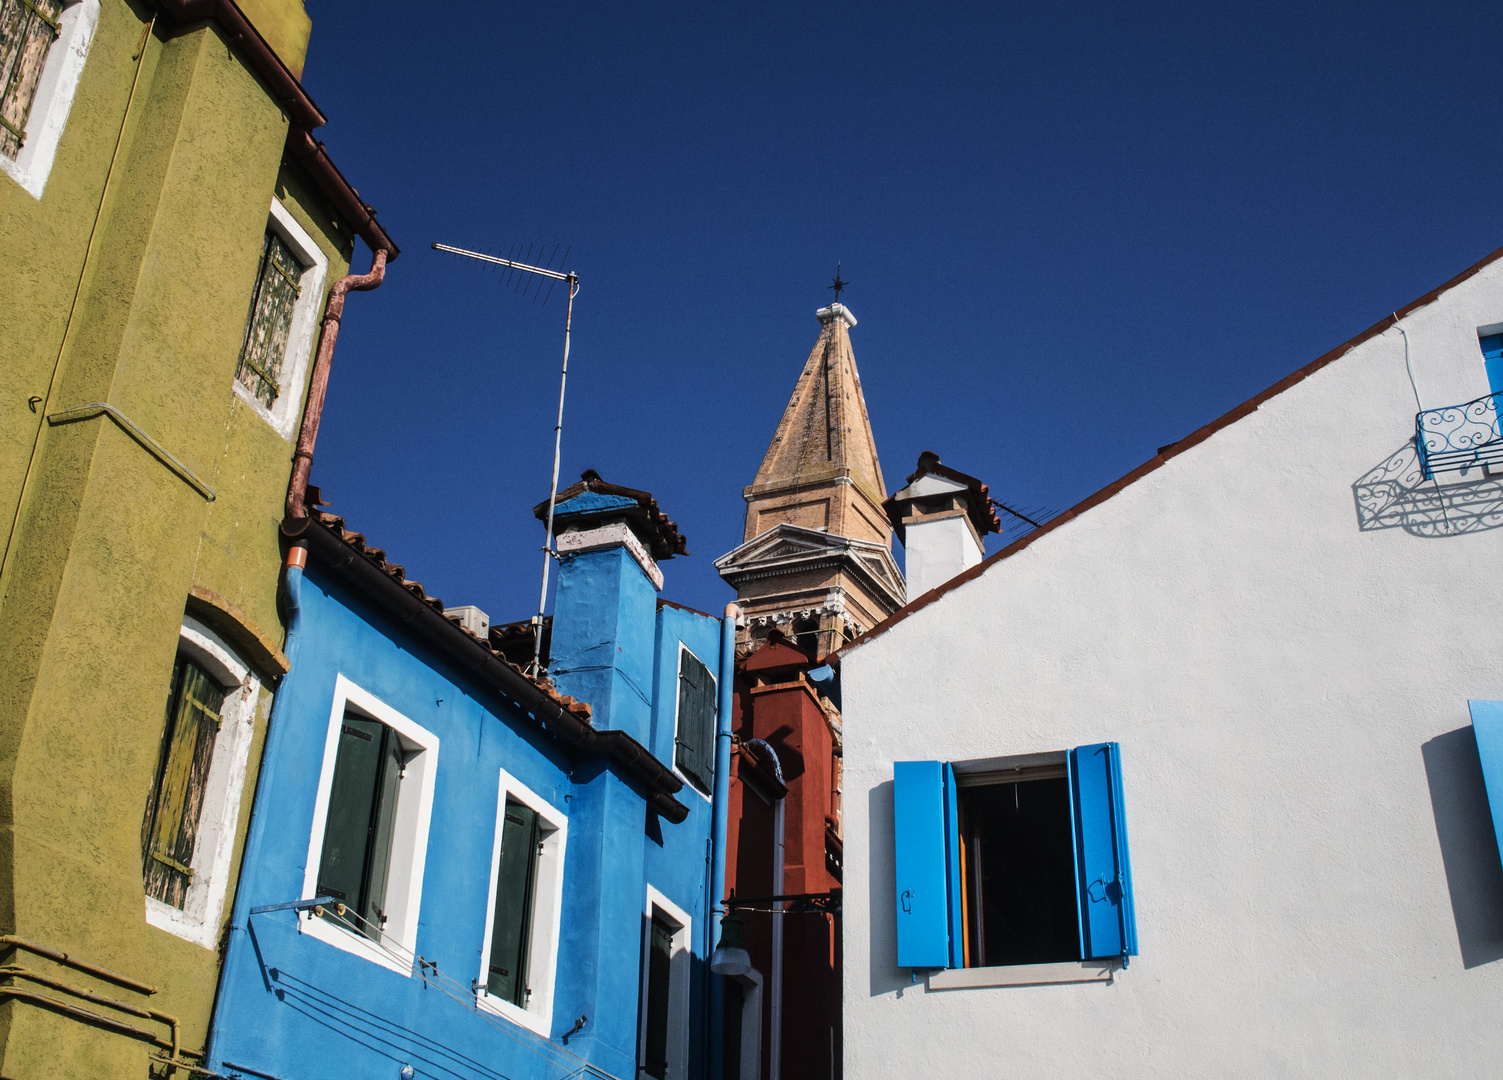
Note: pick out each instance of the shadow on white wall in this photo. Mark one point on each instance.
(1395, 495)
(1468, 845)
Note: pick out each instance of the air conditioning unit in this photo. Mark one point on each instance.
(472, 619)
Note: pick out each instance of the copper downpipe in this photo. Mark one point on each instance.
(296, 518)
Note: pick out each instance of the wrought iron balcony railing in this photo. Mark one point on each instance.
(1457, 437)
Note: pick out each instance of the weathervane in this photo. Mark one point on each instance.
(837, 284)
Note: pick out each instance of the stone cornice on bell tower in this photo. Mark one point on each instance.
(820, 475)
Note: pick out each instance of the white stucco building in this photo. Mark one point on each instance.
(1279, 622)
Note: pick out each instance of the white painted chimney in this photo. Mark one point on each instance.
(941, 517)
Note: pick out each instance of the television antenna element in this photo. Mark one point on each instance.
(526, 274)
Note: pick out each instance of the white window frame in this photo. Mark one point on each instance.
(679, 977)
(54, 97)
(547, 910)
(409, 843)
(678, 675)
(284, 413)
(198, 919)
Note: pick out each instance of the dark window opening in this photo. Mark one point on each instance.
(356, 860)
(806, 635)
(516, 888)
(1017, 866)
(170, 830)
(694, 752)
(659, 970)
(735, 1006)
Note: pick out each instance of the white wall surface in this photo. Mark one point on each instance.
(1317, 884)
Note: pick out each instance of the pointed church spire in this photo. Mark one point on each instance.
(824, 435)
(816, 558)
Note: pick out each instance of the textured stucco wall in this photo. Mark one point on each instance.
(107, 542)
(1318, 892)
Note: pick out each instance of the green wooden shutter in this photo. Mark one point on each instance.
(695, 752)
(27, 30)
(356, 858)
(511, 930)
(269, 324)
(383, 828)
(176, 802)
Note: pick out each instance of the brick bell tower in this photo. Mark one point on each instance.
(816, 558)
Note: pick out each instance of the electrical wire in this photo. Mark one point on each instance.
(568, 1062)
(1445, 511)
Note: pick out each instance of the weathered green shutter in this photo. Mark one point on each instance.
(270, 321)
(176, 803)
(695, 752)
(511, 930)
(659, 970)
(27, 30)
(356, 858)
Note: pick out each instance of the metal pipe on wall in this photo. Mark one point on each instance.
(720, 823)
(292, 604)
(296, 519)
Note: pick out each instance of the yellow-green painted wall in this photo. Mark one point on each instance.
(128, 282)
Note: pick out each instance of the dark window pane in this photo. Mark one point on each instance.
(659, 966)
(1019, 873)
(516, 881)
(357, 833)
(170, 831)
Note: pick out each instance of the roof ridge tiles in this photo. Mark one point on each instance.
(357, 541)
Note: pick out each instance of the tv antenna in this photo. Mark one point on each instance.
(526, 274)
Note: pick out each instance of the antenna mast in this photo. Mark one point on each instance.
(535, 668)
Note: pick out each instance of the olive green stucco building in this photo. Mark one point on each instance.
(164, 186)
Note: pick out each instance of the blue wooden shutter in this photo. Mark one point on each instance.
(921, 864)
(952, 870)
(1487, 726)
(1492, 358)
(1103, 873)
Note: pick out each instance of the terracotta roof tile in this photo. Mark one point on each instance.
(336, 524)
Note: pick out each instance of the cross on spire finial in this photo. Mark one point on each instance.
(837, 284)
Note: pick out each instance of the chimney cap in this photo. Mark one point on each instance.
(977, 496)
(638, 508)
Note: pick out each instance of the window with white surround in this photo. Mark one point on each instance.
(663, 1011)
(281, 322)
(741, 1026)
(370, 829)
(694, 722)
(519, 957)
(1013, 865)
(188, 833)
(43, 46)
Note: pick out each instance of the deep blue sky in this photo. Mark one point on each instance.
(1074, 233)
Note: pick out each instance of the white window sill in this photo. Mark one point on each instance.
(516, 1014)
(351, 942)
(1087, 971)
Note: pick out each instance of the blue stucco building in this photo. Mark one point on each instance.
(514, 871)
